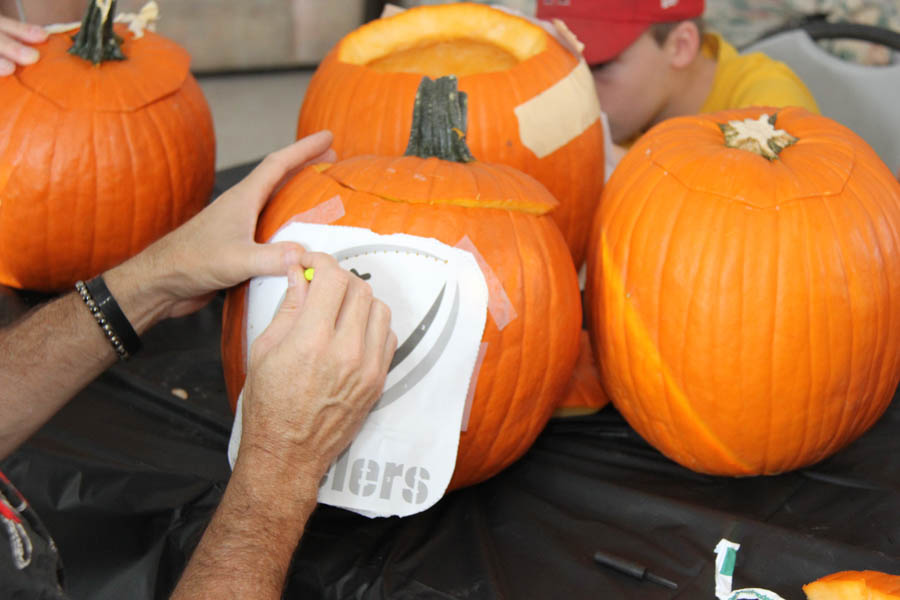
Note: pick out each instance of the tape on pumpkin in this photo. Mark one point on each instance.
(499, 305)
(473, 383)
(560, 113)
(322, 214)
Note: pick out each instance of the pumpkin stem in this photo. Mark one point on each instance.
(96, 41)
(757, 135)
(439, 121)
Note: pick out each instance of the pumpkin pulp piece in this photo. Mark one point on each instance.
(96, 41)
(460, 57)
(459, 39)
(854, 585)
(437, 151)
(758, 136)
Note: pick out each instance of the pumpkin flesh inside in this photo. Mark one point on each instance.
(459, 57)
(430, 42)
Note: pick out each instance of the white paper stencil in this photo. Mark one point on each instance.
(403, 457)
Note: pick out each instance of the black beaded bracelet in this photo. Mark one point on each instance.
(109, 316)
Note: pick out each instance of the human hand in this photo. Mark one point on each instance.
(14, 35)
(316, 370)
(216, 249)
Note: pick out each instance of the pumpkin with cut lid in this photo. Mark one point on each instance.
(438, 191)
(106, 143)
(532, 100)
(743, 289)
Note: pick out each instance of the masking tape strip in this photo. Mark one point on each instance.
(473, 383)
(560, 113)
(322, 214)
(499, 305)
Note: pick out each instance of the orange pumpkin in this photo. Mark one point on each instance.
(854, 585)
(584, 394)
(744, 287)
(533, 103)
(527, 360)
(97, 161)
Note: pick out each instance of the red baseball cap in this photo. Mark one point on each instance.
(607, 27)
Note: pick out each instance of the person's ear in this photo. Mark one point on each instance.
(683, 44)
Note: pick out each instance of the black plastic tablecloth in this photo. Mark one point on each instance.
(128, 474)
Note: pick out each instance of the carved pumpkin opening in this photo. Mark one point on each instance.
(443, 42)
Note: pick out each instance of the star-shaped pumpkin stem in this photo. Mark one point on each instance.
(758, 136)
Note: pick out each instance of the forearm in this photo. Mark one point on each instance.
(247, 547)
(56, 350)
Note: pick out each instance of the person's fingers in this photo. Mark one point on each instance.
(326, 290)
(6, 67)
(390, 347)
(273, 169)
(287, 313)
(329, 156)
(18, 53)
(23, 31)
(270, 259)
(354, 314)
(378, 335)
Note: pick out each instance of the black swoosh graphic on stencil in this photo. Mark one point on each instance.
(422, 369)
(410, 343)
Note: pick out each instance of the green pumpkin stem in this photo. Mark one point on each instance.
(96, 41)
(758, 136)
(439, 121)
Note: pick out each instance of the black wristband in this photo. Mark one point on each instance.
(115, 318)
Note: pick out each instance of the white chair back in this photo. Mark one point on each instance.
(864, 98)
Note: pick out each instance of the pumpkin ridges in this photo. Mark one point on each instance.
(14, 159)
(319, 111)
(511, 362)
(477, 444)
(789, 273)
(36, 257)
(416, 219)
(135, 214)
(680, 415)
(886, 282)
(532, 239)
(159, 69)
(555, 340)
(846, 423)
(868, 279)
(806, 444)
(623, 275)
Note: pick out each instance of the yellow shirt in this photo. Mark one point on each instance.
(751, 80)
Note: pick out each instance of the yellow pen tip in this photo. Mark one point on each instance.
(308, 273)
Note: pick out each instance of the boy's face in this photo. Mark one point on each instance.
(633, 88)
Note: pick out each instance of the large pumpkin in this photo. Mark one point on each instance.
(98, 160)
(533, 103)
(744, 289)
(530, 352)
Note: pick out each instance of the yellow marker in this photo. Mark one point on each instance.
(308, 273)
